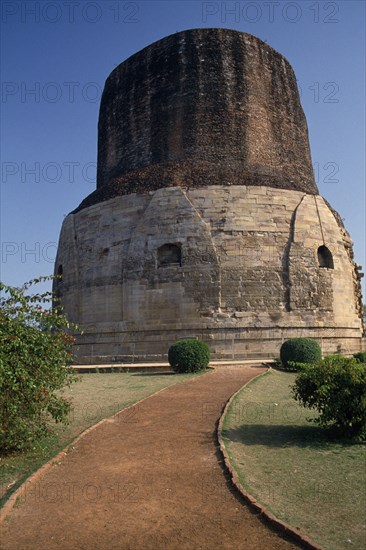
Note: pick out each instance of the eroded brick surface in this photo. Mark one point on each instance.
(202, 107)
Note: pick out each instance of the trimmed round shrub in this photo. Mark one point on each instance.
(189, 355)
(360, 356)
(299, 350)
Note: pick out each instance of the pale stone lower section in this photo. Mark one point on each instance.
(248, 276)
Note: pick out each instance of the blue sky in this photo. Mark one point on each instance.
(56, 55)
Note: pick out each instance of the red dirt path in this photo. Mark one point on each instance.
(149, 479)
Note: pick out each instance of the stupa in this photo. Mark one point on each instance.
(206, 221)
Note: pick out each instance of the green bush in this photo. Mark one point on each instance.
(360, 356)
(336, 387)
(35, 349)
(189, 355)
(299, 350)
(295, 366)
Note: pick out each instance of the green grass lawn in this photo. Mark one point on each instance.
(295, 468)
(94, 397)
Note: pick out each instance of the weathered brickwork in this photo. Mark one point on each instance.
(206, 221)
(202, 107)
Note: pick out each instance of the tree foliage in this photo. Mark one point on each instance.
(336, 388)
(360, 356)
(35, 350)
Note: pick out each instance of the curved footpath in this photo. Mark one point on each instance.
(150, 478)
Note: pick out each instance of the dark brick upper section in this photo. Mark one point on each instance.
(202, 107)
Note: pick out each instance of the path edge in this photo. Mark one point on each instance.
(256, 506)
(33, 478)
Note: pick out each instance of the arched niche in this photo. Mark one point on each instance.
(325, 258)
(170, 255)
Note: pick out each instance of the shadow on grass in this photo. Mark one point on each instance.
(170, 373)
(153, 373)
(279, 436)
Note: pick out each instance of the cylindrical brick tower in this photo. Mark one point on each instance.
(206, 221)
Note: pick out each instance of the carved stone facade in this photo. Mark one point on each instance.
(243, 256)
